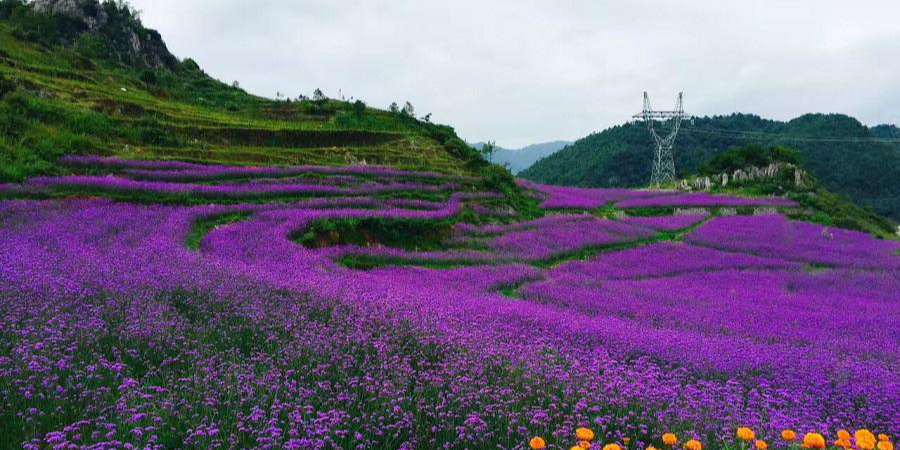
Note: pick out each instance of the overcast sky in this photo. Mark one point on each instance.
(521, 71)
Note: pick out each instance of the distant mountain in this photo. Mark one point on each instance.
(849, 158)
(886, 131)
(522, 158)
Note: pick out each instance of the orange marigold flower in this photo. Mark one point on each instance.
(761, 444)
(865, 440)
(813, 440)
(669, 439)
(537, 443)
(745, 434)
(584, 444)
(843, 435)
(612, 447)
(651, 448)
(584, 434)
(885, 445)
(843, 443)
(626, 440)
(789, 435)
(883, 437)
(575, 447)
(693, 444)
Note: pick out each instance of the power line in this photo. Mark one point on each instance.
(786, 137)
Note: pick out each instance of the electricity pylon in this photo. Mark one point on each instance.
(664, 163)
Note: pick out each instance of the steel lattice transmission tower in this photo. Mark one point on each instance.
(670, 121)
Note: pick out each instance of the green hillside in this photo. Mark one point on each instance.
(849, 158)
(95, 81)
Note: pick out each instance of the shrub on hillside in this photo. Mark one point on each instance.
(6, 86)
(752, 155)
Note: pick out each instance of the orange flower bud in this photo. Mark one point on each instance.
(693, 444)
(865, 440)
(813, 440)
(537, 443)
(745, 434)
(669, 439)
(584, 434)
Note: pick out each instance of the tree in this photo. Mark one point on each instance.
(359, 108)
(149, 76)
(319, 100)
(427, 118)
(488, 150)
(408, 110)
(394, 108)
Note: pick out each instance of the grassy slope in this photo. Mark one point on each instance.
(60, 101)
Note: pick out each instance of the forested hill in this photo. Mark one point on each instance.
(849, 158)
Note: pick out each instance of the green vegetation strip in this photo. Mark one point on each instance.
(405, 233)
(368, 262)
(201, 227)
(512, 290)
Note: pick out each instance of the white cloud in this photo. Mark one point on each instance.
(526, 71)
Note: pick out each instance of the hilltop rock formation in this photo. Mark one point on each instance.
(120, 28)
(88, 12)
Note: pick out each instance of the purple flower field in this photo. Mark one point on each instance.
(669, 223)
(702, 199)
(114, 183)
(115, 335)
(557, 197)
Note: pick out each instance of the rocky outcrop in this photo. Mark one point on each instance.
(123, 34)
(750, 174)
(88, 12)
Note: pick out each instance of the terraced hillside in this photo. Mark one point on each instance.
(65, 99)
